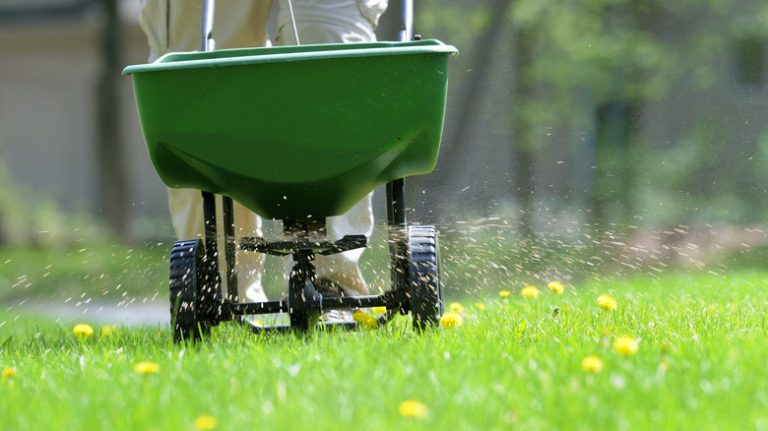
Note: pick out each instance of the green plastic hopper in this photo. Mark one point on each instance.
(296, 131)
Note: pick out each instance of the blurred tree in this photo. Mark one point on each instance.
(616, 118)
(478, 30)
(522, 144)
(471, 95)
(630, 86)
(626, 54)
(113, 184)
(602, 49)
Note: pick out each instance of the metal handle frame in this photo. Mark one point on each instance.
(395, 195)
(207, 42)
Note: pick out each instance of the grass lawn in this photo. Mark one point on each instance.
(515, 363)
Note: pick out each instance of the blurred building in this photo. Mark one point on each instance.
(51, 62)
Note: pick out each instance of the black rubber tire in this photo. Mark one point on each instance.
(190, 314)
(425, 291)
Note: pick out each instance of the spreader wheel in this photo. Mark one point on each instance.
(193, 292)
(425, 292)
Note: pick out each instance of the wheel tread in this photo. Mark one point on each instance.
(425, 291)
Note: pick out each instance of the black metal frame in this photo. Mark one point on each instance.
(304, 303)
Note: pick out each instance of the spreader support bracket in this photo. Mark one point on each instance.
(286, 248)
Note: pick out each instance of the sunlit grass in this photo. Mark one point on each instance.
(513, 363)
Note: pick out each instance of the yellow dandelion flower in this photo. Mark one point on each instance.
(364, 319)
(146, 367)
(607, 302)
(456, 307)
(205, 423)
(504, 293)
(480, 306)
(625, 346)
(451, 320)
(8, 372)
(592, 364)
(530, 292)
(82, 330)
(107, 330)
(379, 310)
(412, 409)
(556, 287)
(665, 346)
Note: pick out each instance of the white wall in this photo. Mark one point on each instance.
(48, 79)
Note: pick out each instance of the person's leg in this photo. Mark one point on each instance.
(335, 21)
(186, 208)
(173, 26)
(329, 21)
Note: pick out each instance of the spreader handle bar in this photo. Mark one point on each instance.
(389, 300)
(406, 29)
(207, 42)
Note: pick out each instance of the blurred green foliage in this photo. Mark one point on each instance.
(693, 148)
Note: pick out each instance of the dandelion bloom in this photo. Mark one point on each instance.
(607, 302)
(625, 346)
(82, 330)
(146, 367)
(364, 319)
(9, 372)
(556, 287)
(530, 292)
(451, 320)
(456, 307)
(205, 423)
(379, 310)
(665, 346)
(107, 330)
(412, 409)
(480, 306)
(504, 293)
(592, 364)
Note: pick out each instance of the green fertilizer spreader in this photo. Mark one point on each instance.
(295, 133)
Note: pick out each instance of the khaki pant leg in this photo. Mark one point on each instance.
(334, 21)
(173, 26)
